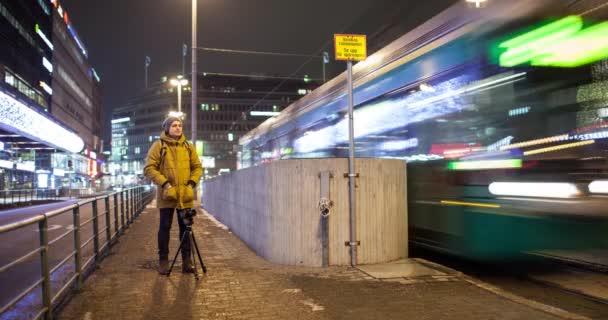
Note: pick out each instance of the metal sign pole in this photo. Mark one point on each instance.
(351, 47)
(351, 165)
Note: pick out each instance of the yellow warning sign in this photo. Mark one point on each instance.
(350, 46)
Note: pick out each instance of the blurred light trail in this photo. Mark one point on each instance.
(598, 186)
(562, 137)
(560, 147)
(470, 204)
(534, 189)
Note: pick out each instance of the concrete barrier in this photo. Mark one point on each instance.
(273, 208)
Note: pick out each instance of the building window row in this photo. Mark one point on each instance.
(15, 23)
(223, 137)
(236, 107)
(66, 77)
(18, 83)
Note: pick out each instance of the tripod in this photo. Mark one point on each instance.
(189, 236)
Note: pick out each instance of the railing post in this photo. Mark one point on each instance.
(136, 200)
(122, 211)
(44, 268)
(132, 205)
(128, 204)
(116, 213)
(77, 256)
(96, 231)
(108, 229)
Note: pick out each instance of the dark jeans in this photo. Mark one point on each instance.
(164, 228)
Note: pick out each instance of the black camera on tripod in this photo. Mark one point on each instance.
(187, 216)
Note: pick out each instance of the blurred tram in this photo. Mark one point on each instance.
(501, 114)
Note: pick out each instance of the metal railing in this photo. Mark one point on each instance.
(132, 203)
(26, 195)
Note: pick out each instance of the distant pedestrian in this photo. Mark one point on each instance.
(173, 165)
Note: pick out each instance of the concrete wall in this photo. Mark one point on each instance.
(273, 208)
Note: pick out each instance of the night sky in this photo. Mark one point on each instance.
(120, 33)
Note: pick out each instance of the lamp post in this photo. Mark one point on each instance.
(194, 77)
(179, 82)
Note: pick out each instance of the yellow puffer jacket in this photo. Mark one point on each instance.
(179, 165)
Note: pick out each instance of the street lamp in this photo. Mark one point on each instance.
(478, 3)
(176, 114)
(179, 82)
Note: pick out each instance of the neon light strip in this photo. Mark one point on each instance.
(126, 119)
(470, 204)
(485, 164)
(598, 186)
(95, 75)
(46, 87)
(264, 113)
(77, 40)
(47, 64)
(18, 118)
(43, 36)
(560, 147)
(534, 189)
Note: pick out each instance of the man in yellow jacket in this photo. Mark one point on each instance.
(173, 165)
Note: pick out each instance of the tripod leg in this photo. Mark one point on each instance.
(176, 254)
(198, 253)
(191, 239)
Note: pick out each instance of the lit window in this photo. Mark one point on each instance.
(9, 79)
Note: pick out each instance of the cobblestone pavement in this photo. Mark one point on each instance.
(241, 285)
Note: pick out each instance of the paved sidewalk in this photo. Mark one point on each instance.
(241, 285)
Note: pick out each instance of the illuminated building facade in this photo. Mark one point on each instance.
(39, 146)
(76, 86)
(225, 112)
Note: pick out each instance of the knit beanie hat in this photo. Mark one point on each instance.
(167, 123)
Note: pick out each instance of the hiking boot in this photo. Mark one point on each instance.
(163, 267)
(187, 266)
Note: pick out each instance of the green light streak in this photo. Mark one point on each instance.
(571, 22)
(563, 43)
(485, 164)
(524, 48)
(587, 46)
